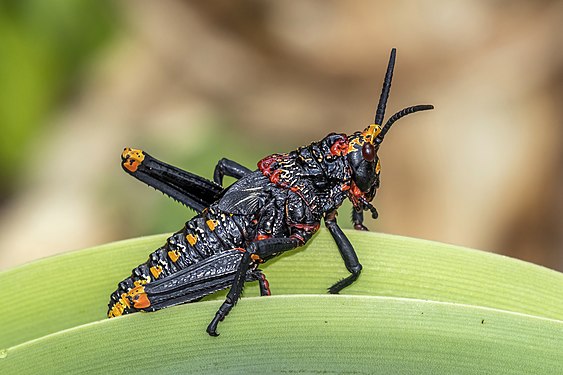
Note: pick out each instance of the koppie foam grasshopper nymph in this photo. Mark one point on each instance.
(268, 211)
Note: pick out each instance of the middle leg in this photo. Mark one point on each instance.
(226, 167)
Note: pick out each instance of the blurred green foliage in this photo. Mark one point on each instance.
(44, 46)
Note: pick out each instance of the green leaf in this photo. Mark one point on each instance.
(303, 334)
(66, 291)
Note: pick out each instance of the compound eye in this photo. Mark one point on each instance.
(368, 151)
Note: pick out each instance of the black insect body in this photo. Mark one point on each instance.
(276, 208)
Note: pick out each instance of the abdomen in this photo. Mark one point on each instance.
(203, 237)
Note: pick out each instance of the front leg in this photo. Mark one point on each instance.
(346, 251)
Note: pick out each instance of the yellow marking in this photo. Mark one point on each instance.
(191, 239)
(353, 143)
(140, 282)
(211, 224)
(123, 300)
(174, 255)
(132, 158)
(156, 271)
(371, 132)
(377, 167)
(116, 310)
(368, 135)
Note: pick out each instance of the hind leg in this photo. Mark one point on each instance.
(187, 188)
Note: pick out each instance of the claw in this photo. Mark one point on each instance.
(331, 290)
(361, 227)
(212, 327)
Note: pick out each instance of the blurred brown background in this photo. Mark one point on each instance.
(193, 81)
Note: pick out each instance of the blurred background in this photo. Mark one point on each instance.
(193, 81)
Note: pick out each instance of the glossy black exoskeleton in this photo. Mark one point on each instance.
(268, 211)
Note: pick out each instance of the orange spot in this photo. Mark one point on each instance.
(211, 224)
(256, 258)
(191, 239)
(261, 237)
(156, 271)
(174, 255)
(139, 297)
(131, 165)
(132, 158)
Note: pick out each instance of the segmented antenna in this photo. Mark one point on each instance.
(380, 113)
(398, 115)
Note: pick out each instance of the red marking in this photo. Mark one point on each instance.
(355, 194)
(340, 147)
(298, 238)
(275, 177)
(306, 227)
(261, 237)
(240, 249)
(345, 187)
(266, 285)
(266, 164)
(355, 190)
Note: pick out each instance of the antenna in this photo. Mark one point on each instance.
(398, 115)
(380, 113)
